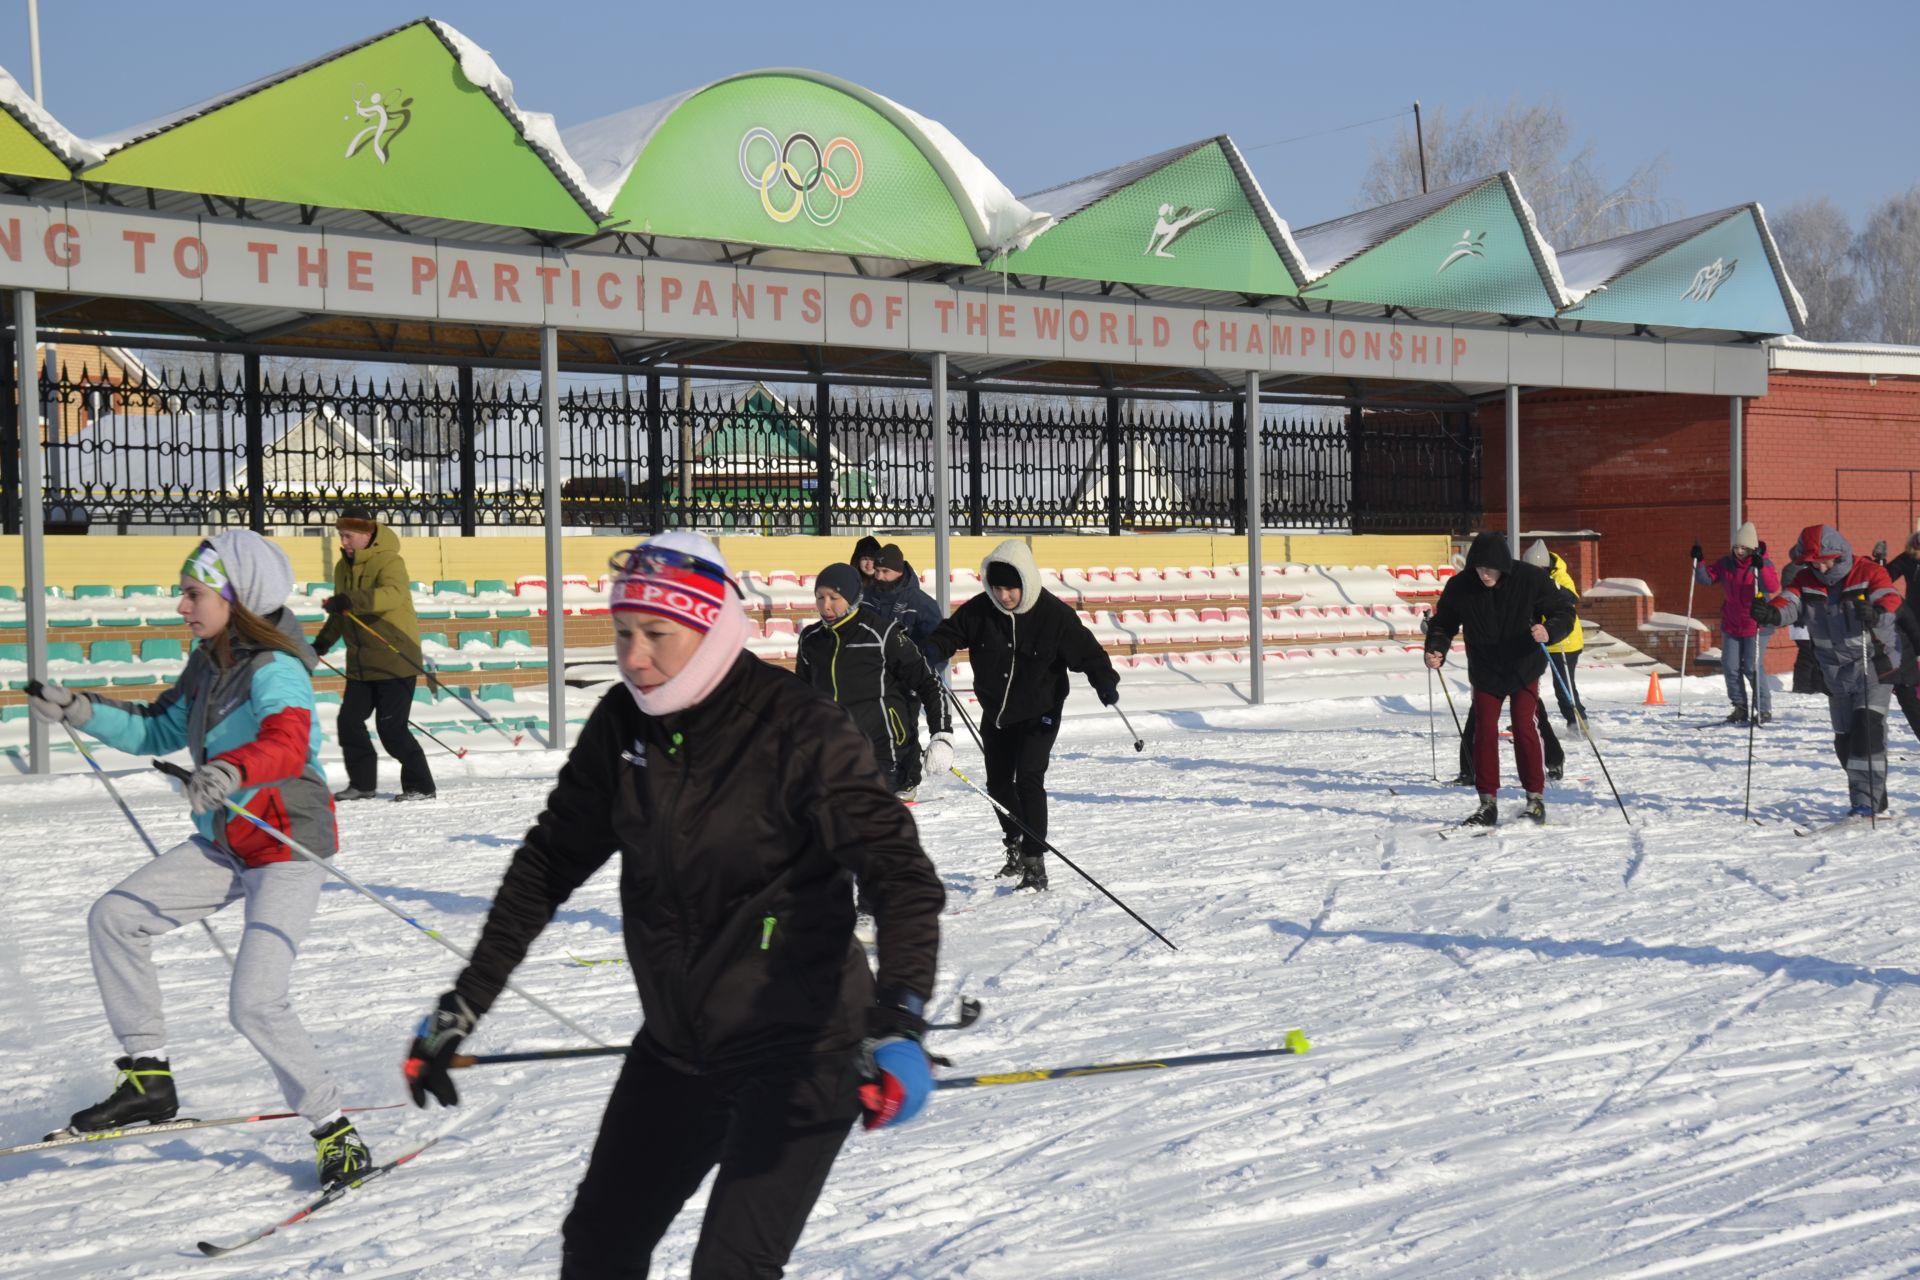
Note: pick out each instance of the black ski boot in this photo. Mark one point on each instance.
(1737, 716)
(1555, 772)
(339, 1154)
(1487, 815)
(1763, 717)
(1463, 779)
(1033, 874)
(1011, 867)
(354, 793)
(142, 1094)
(1536, 808)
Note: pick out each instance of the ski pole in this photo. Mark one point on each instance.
(1451, 709)
(34, 687)
(1296, 1044)
(1139, 743)
(969, 1014)
(433, 682)
(459, 753)
(1680, 699)
(1054, 849)
(1866, 724)
(1753, 700)
(1588, 735)
(965, 717)
(1433, 748)
(301, 851)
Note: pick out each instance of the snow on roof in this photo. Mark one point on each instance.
(1592, 265)
(74, 150)
(1334, 243)
(1887, 359)
(607, 149)
(1069, 198)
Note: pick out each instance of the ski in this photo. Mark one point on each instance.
(1821, 828)
(68, 1138)
(588, 962)
(327, 1197)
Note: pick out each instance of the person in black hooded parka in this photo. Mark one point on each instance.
(1508, 611)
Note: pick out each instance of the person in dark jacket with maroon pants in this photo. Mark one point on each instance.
(1509, 611)
(743, 805)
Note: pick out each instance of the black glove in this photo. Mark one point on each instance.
(336, 605)
(1764, 612)
(429, 1063)
(1865, 611)
(1109, 694)
(1697, 554)
(1880, 551)
(889, 1018)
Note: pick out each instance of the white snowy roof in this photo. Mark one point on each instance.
(1880, 358)
(56, 137)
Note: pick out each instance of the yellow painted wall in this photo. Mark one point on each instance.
(118, 561)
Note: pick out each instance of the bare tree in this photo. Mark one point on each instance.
(1572, 200)
(1816, 244)
(1888, 256)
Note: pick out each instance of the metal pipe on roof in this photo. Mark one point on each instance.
(556, 592)
(33, 513)
(1256, 474)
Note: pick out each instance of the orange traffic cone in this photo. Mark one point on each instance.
(1654, 697)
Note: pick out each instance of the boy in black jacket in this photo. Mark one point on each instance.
(868, 664)
(1022, 640)
(1509, 611)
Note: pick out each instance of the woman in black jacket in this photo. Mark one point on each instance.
(1510, 611)
(869, 664)
(1022, 640)
(742, 805)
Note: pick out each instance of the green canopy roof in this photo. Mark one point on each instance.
(1715, 271)
(413, 121)
(32, 143)
(1188, 218)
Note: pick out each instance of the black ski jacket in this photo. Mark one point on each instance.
(1020, 661)
(740, 824)
(1502, 655)
(869, 664)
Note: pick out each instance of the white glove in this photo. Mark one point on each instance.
(211, 784)
(57, 704)
(939, 754)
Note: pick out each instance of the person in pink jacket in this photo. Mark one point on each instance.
(1742, 640)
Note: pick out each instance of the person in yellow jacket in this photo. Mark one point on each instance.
(1565, 655)
(371, 584)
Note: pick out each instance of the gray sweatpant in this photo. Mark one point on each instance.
(187, 883)
(1860, 740)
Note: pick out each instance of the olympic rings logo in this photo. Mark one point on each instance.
(799, 175)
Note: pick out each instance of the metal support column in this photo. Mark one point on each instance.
(469, 444)
(656, 457)
(823, 458)
(33, 514)
(256, 444)
(556, 615)
(1513, 470)
(1254, 472)
(942, 490)
(1736, 463)
(1113, 466)
(976, 468)
(10, 503)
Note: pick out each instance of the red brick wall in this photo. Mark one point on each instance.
(1649, 473)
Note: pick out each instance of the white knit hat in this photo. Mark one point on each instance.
(1747, 537)
(1538, 556)
(245, 568)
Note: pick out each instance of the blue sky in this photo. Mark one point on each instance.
(1763, 100)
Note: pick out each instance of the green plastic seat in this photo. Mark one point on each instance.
(514, 611)
(423, 695)
(13, 713)
(482, 586)
(476, 637)
(13, 624)
(472, 612)
(514, 635)
(111, 651)
(127, 680)
(66, 651)
(93, 591)
(318, 589)
(163, 649)
(417, 586)
(498, 664)
(433, 613)
(13, 653)
(10, 593)
(331, 696)
(133, 589)
(451, 666)
(532, 664)
(435, 637)
(85, 682)
(73, 620)
(450, 587)
(495, 693)
(163, 620)
(119, 620)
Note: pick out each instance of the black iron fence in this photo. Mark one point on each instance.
(459, 451)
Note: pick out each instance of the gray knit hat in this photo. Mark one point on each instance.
(245, 568)
(1538, 556)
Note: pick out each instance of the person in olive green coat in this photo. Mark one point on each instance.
(371, 586)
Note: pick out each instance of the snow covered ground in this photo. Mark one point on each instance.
(1679, 1048)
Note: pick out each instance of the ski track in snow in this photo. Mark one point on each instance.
(1678, 1047)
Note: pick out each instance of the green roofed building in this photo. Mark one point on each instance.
(761, 459)
(417, 120)
(1715, 271)
(801, 161)
(1470, 247)
(32, 143)
(1189, 218)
